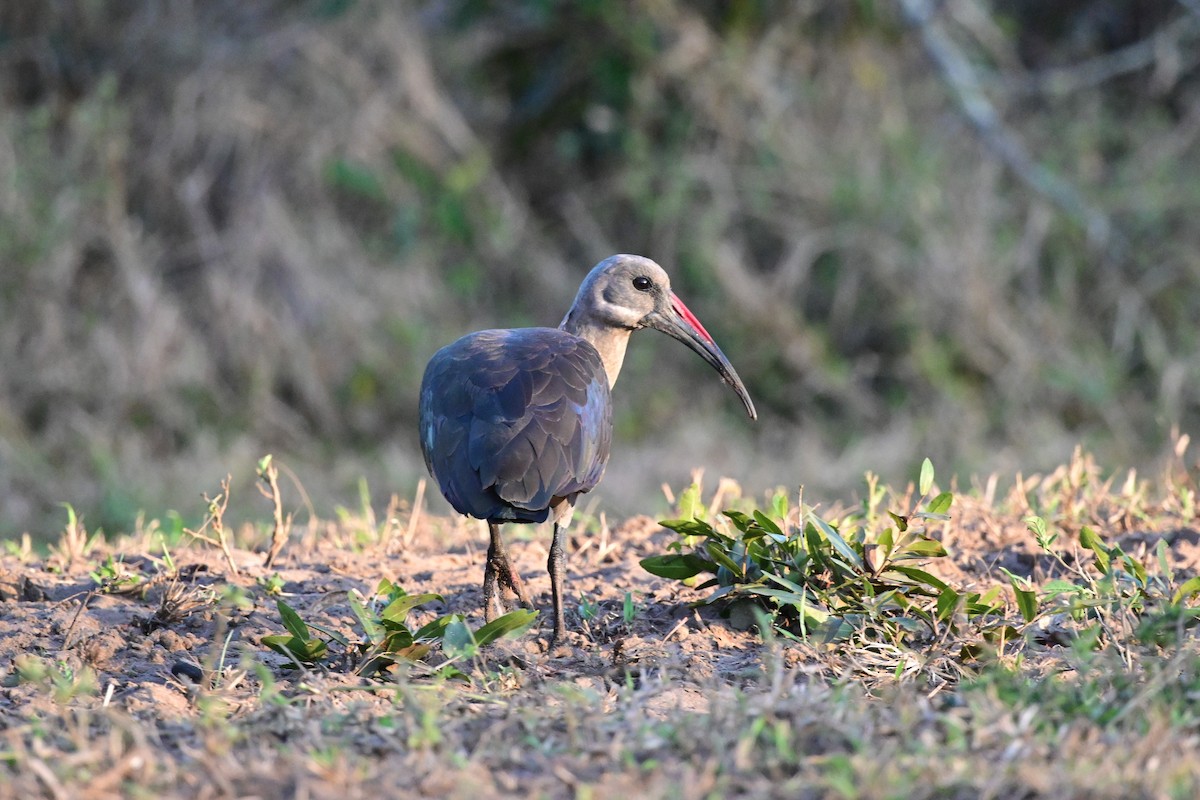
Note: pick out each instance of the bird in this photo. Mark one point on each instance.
(515, 424)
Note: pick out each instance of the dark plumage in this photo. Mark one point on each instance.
(515, 424)
(513, 419)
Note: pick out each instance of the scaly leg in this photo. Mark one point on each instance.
(502, 585)
(491, 595)
(557, 567)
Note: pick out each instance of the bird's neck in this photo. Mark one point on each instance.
(609, 342)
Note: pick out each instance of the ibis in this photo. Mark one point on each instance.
(515, 424)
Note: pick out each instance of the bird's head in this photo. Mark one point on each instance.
(632, 292)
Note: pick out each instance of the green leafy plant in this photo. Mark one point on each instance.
(114, 577)
(811, 577)
(387, 638)
(588, 608)
(1113, 589)
(298, 644)
(271, 584)
(63, 681)
(629, 609)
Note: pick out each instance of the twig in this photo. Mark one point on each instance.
(415, 516)
(390, 523)
(70, 628)
(268, 473)
(961, 77)
(216, 514)
(1097, 70)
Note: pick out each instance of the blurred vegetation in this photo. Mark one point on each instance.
(229, 228)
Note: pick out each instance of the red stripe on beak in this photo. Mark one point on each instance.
(690, 317)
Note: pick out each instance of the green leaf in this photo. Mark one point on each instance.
(677, 566)
(332, 634)
(397, 640)
(450, 672)
(292, 621)
(1134, 567)
(785, 583)
(814, 545)
(716, 595)
(1164, 564)
(947, 603)
(71, 518)
(1089, 539)
(1189, 587)
(689, 527)
(767, 523)
(1059, 586)
(1036, 526)
(722, 558)
(743, 522)
(691, 506)
(835, 539)
(371, 627)
(306, 651)
(886, 541)
(434, 630)
(458, 641)
(1027, 602)
(514, 622)
(909, 624)
(920, 576)
(397, 610)
(940, 504)
(926, 482)
(279, 643)
(922, 547)
(779, 506)
(986, 604)
(813, 612)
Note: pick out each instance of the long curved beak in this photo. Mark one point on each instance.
(682, 324)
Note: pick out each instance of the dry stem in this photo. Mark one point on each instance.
(269, 473)
(215, 521)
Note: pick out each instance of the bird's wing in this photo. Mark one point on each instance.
(512, 419)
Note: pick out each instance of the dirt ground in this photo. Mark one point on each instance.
(56, 610)
(145, 660)
(184, 635)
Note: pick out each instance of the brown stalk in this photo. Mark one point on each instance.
(269, 474)
(216, 513)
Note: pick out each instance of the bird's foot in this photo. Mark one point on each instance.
(512, 586)
(503, 591)
(566, 643)
(512, 600)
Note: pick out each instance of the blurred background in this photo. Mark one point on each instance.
(966, 230)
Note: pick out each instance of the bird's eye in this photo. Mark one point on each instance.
(642, 283)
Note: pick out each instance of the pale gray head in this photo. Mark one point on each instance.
(624, 293)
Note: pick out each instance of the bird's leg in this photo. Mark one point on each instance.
(491, 598)
(556, 565)
(499, 575)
